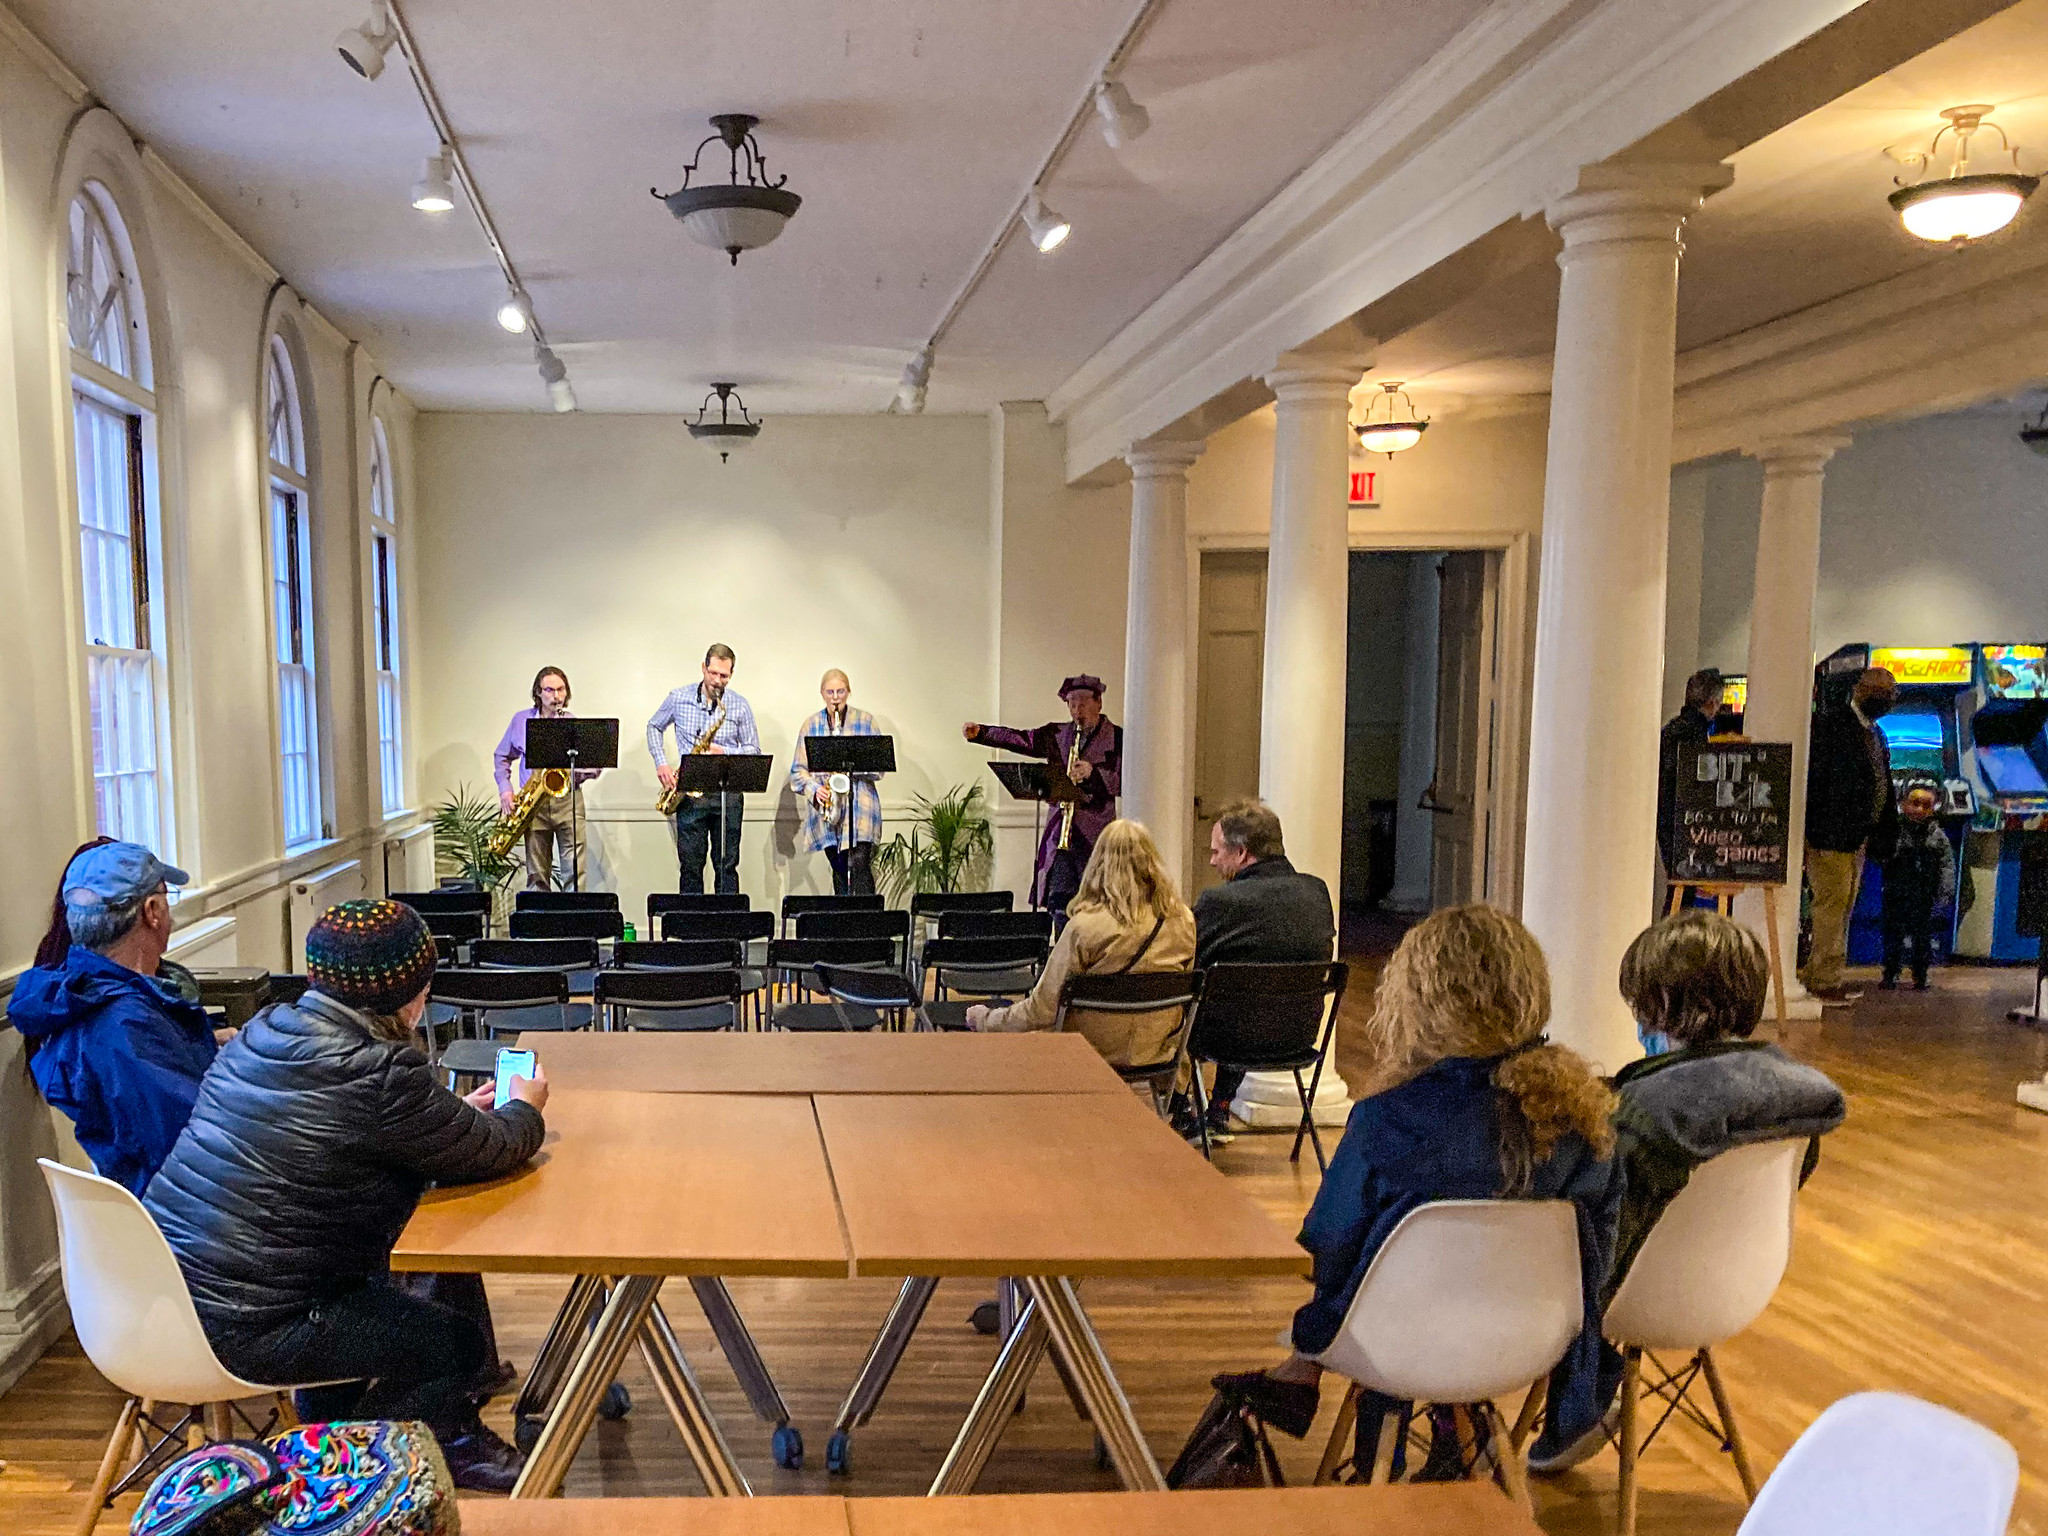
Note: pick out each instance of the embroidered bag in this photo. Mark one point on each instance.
(368, 1477)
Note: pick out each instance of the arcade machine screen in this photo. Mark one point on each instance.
(2009, 748)
(1734, 700)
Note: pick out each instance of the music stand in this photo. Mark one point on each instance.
(1041, 783)
(737, 773)
(849, 755)
(579, 746)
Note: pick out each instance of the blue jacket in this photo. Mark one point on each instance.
(118, 1053)
(1437, 1137)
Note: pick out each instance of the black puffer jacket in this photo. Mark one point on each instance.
(310, 1145)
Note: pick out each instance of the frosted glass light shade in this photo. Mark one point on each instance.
(1962, 207)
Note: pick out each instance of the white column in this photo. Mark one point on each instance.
(1591, 842)
(1781, 657)
(1413, 833)
(1301, 718)
(1157, 786)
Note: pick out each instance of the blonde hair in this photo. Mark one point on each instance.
(1127, 878)
(1471, 981)
(826, 681)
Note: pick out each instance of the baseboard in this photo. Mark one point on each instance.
(32, 1317)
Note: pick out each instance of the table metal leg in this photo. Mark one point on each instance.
(558, 1349)
(1059, 1305)
(883, 1355)
(677, 1384)
(995, 1404)
(597, 1362)
(740, 1350)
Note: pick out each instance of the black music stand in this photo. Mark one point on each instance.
(1040, 783)
(849, 755)
(577, 745)
(727, 773)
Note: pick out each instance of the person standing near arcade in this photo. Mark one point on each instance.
(1689, 728)
(1089, 748)
(1851, 810)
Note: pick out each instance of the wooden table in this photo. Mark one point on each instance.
(872, 1062)
(1044, 1190)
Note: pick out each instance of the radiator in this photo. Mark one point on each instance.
(409, 861)
(313, 895)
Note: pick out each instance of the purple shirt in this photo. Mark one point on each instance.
(512, 749)
(1099, 791)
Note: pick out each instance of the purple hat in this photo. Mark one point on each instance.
(1086, 682)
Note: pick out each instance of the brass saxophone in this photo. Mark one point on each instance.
(544, 785)
(672, 799)
(1067, 810)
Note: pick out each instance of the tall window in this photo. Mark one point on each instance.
(113, 413)
(384, 619)
(291, 583)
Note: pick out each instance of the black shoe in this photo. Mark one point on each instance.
(1187, 1125)
(1919, 983)
(1889, 984)
(1219, 1127)
(1288, 1406)
(481, 1462)
(495, 1379)
(986, 1317)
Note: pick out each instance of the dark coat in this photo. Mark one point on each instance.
(1437, 1137)
(1844, 812)
(117, 1052)
(1268, 912)
(1687, 728)
(311, 1144)
(1921, 872)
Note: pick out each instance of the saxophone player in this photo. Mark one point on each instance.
(550, 838)
(707, 716)
(842, 819)
(1090, 750)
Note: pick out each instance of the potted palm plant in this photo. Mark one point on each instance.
(949, 845)
(463, 824)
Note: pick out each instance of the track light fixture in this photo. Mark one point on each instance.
(917, 374)
(555, 374)
(1964, 205)
(516, 313)
(363, 48)
(739, 215)
(1048, 230)
(433, 192)
(1399, 428)
(733, 429)
(1122, 118)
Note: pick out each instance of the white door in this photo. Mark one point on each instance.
(1229, 667)
(1460, 798)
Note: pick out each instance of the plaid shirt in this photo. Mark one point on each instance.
(685, 710)
(864, 823)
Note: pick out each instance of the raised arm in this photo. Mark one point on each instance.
(1005, 738)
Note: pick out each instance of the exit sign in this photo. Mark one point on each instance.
(1365, 485)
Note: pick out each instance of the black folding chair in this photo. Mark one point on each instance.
(678, 955)
(577, 957)
(969, 924)
(977, 970)
(926, 907)
(793, 979)
(454, 931)
(1269, 1018)
(863, 998)
(1139, 992)
(794, 907)
(424, 902)
(508, 1002)
(587, 923)
(743, 926)
(860, 924)
(469, 1058)
(669, 999)
(660, 902)
(566, 901)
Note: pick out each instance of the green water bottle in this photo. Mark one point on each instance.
(628, 935)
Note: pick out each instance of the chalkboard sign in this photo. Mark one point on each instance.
(1733, 800)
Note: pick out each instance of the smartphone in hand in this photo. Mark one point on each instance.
(511, 1063)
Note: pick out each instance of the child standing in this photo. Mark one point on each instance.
(1918, 876)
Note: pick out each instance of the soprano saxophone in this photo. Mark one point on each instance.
(1067, 810)
(672, 798)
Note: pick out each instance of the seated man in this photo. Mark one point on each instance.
(1268, 911)
(112, 1045)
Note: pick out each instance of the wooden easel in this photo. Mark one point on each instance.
(1724, 903)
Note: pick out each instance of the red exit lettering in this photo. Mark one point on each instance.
(1364, 487)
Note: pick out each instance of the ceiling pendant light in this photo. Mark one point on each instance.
(516, 313)
(1401, 428)
(363, 48)
(917, 374)
(555, 374)
(734, 429)
(1048, 230)
(1964, 205)
(741, 215)
(433, 192)
(1122, 118)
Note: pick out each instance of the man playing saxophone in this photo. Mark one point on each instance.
(1090, 750)
(707, 716)
(550, 840)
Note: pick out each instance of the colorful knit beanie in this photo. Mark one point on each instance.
(375, 956)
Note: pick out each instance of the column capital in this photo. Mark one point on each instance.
(1313, 371)
(1156, 458)
(1631, 201)
(1804, 455)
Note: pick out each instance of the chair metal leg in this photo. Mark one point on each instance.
(1736, 1447)
(1340, 1435)
(1308, 1120)
(111, 1464)
(1506, 1452)
(1200, 1095)
(1631, 1386)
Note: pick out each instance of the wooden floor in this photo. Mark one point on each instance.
(1921, 1266)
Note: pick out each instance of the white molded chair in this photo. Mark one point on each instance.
(136, 1323)
(1467, 1301)
(1884, 1464)
(1706, 1272)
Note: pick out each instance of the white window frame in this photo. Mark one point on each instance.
(288, 514)
(386, 642)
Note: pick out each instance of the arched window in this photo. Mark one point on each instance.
(291, 585)
(384, 619)
(113, 418)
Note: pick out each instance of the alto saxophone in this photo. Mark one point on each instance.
(673, 797)
(544, 785)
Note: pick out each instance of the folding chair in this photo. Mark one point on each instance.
(424, 902)
(744, 926)
(566, 901)
(507, 1001)
(793, 979)
(971, 923)
(977, 970)
(1269, 1018)
(696, 1000)
(862, 999)
(678, 955)
(927, 906)
(660, 902)
(580, 923)
(576, 956)
(860, 924)
(454, 932)
(1135, 993)
(794, 907)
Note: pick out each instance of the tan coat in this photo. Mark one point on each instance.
(1092, 944)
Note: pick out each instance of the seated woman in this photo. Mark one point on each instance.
(1126, 917)
(1696, 983)
(315, 1134)
(1486, 1108)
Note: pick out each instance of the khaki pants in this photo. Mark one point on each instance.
(548, 846)
(1835, 878)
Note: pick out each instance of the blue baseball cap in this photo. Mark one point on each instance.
(116, 874)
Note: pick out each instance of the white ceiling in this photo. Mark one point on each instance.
(909, 127)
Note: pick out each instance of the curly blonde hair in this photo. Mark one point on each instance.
(1471, 981)
(1127, 878)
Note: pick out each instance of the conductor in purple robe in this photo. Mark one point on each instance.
(1095, 747)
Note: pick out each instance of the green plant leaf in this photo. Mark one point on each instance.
(949, 847)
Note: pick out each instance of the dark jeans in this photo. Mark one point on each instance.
(1908, 922)
(853, 872)
(701, 832)
(404, 1357)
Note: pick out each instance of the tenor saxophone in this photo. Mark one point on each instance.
(544, 785)
(672, 799)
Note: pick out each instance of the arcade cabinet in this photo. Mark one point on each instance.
(2004, 721)
(1734, 700)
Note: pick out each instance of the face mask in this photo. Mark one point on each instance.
(1655, 1041)
(1876, 708)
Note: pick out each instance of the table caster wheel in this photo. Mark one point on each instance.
(526, 1432)
(616, 1403)
(1102, 1462)
(985, 1317)
(837, 1449)
(788, 1445)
